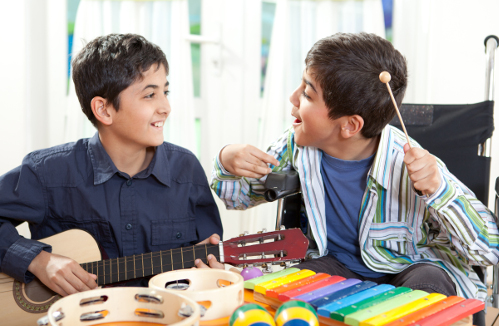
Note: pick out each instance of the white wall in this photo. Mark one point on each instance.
(33, 60)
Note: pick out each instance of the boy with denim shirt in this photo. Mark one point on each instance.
(362, 186)
(133, 192)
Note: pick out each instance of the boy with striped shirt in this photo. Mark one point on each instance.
(362, 185)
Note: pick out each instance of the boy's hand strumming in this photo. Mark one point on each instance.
(423, 169)
(246, 161)
(61, 274)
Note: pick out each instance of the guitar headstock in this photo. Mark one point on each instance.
(266, 247)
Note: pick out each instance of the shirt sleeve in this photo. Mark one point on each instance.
(241, 192)
(465, 221)
(21, 199)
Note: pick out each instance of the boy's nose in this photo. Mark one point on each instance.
(165, 107)
(295, 98)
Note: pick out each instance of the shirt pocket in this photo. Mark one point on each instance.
(100, 230)
(175, 231)
(394, 236)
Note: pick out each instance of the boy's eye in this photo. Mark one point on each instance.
(166, 93)
(150, 95)
(305, 95)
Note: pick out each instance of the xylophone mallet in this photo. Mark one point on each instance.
(385, 78)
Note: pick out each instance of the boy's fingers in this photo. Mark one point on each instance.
(262, 156)
(212, 260)
(252, 171)
(214, 238)
(200, 264)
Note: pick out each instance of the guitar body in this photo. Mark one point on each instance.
(23, 304)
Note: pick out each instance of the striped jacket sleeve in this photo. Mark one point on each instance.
(240, 192)
(467, 223)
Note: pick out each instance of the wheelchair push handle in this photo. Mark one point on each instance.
(281, 184)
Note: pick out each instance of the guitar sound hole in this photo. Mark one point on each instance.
(180, 285)
(37, 291)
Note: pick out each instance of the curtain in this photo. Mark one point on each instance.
(443, 42)
(298, 25)
(164, 23)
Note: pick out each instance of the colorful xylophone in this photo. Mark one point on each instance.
(340, 301)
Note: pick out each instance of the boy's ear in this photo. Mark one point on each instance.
(101, 110)
(351, 125)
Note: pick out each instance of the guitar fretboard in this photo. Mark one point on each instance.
(131, 267)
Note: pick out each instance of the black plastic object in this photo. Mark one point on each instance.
(281, 184)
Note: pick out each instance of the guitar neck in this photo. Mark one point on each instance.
(131, 267)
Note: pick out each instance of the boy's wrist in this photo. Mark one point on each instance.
(222, 171)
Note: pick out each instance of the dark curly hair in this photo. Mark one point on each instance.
(109, 64)
(347, 67)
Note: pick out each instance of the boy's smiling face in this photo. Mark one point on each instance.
(312, 125)
(143, 110)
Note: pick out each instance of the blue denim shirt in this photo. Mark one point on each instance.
(76, 185)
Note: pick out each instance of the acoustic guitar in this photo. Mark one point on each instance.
(22, 304)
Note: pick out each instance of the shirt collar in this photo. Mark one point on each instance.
(380, 168)
(102, 164)
(104, 167)
(159, 167)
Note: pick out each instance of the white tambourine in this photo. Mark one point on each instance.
(123, 305)
(219, 291)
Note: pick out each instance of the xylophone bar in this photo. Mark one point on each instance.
(269, 285)
(274, 293)
(342, 294)
(352, 302)
(426, 312)
(327, 309)
(364, 304)
(310, 287)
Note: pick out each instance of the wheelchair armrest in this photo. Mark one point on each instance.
(281, 184)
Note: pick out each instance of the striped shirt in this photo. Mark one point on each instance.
(450, 229)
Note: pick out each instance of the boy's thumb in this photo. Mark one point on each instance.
(406, 148)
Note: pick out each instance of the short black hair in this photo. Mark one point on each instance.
(347, 67)
(109, 64)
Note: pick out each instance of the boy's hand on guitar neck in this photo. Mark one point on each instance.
(61, 274)
(212, 260)
(423, 169)
(246, 161)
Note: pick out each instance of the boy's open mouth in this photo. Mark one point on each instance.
(297, 121)
(158, 124)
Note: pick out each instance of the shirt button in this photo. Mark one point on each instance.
(129, 182)
(128, 226)
(437, 201)
(179, 235)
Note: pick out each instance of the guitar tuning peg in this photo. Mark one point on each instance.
(282, 227)
(266, 269)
